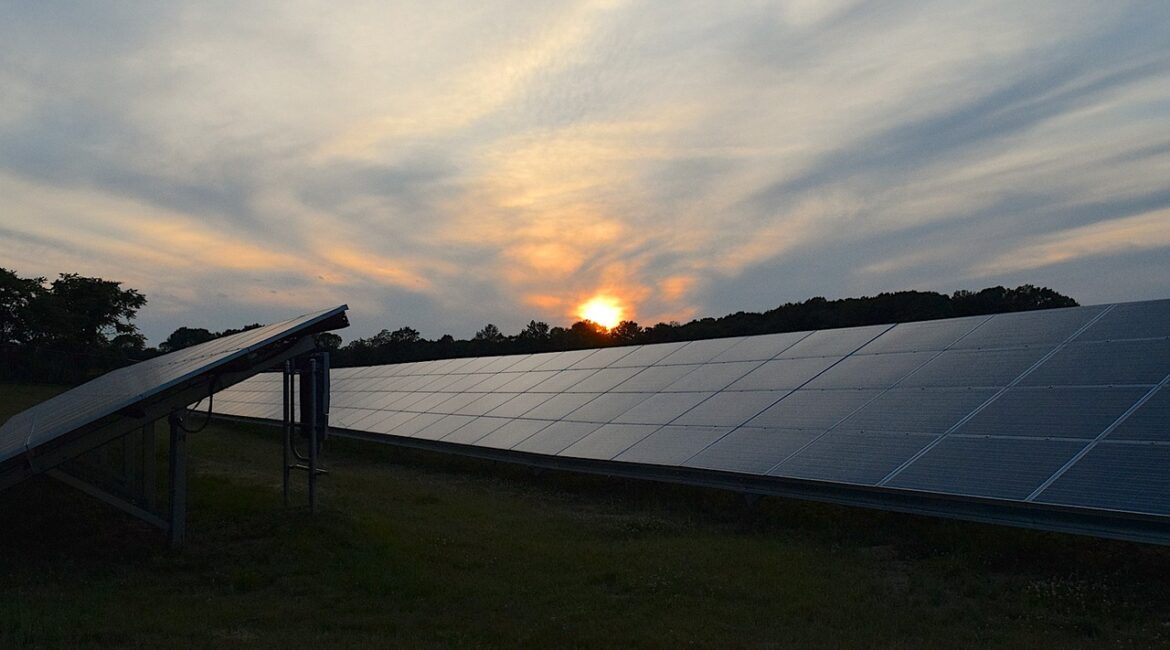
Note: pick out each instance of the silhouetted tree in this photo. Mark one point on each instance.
(381, 339)
(490, 334)
(993, 300)
(405, 335)
(329, 341)
(61, 330)
(129, 345)
(662, 332)
(582, 334)
(534, 331)
(16, 294)
(78, 312)
(230, 331)
(185, 337)
(626, 332)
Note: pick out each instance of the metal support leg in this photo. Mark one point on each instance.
(178, 466)
(314, 431)
(147, 464)
(305, 380)
(289, 414)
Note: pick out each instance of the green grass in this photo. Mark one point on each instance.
(421, 550)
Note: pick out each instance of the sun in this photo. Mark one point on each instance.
(603, 310)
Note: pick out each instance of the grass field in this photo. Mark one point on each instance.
(420, 550)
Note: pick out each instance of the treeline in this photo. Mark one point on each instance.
(405, 344)
(72, 328)
(66, 330)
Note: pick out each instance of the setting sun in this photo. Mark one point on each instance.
(603, 310)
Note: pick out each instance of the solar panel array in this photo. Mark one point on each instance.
(122, 388)
(1068, 407)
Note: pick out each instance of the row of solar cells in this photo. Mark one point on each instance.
(1064, 406)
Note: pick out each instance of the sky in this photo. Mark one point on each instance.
(443, 165)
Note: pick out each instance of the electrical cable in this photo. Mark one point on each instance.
(210, 406)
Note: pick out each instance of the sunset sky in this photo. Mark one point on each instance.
(442, 165)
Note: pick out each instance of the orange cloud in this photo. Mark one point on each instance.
(1141, 232)
(191, 244)
(545, 302)
(375, 267)
(675, 288)
(546, 259)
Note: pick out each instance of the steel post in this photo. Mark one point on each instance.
(178, 469)
(314, 427)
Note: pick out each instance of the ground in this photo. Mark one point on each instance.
(417, 549)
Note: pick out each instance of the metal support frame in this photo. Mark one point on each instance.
(99, 432)
(124, 505)
(141, 503)
(120, 472)
(308, 376)
(140, 500)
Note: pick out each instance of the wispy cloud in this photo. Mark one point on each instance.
(440, 165)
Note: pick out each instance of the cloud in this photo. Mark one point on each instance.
(1131, 234)
(441, 165)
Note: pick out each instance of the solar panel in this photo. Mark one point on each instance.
(1055, 419)
(672, 445)
(752, 450)
(1150, 422)
(129, 391)
(851, 456)
(1005, 468)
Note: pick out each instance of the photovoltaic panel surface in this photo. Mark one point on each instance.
(127, 387)
(1061, 411)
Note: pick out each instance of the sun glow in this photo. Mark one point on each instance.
(606, 311)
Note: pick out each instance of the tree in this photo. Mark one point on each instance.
(185, 337)
(626, 332)
(129, 344)
(663, 332)
(994, 300)
(583, 334)
(88, 323)
(329, 341)
(231, 331)
(490, 333)
(16, 294)
(381, 339)
(405, 335)
(535, 331)
(79, 312)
